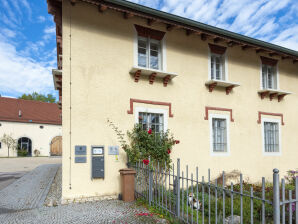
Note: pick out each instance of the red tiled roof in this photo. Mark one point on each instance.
(31, 111)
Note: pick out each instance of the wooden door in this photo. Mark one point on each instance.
(56, 146)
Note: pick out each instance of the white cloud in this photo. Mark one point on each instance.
(21, 74)
(41, 19)
(262, 19)
(8, 33)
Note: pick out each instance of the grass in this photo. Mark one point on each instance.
(192, 213)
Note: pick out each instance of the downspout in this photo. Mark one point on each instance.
(70, 147)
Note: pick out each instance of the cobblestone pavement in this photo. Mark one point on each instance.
(29, 191)
(108, 211)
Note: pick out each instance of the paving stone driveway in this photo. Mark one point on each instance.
(29, 191)
(22, 202)
(108, 211)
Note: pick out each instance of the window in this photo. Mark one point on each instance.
(219, 129)
(269, 77)
(217, 62)
(219, 134)
(152, 118)
(153, 121)
(149, 53)
(41, 127)
(217, 67)
(271, 136)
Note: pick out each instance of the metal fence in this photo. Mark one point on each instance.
(191, 199)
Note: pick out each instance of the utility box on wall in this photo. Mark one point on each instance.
(97, 165)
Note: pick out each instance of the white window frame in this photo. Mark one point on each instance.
(261, 77)
(265, 119)
(224, 66)
(162, 53)
(227, 118)
(155, 111)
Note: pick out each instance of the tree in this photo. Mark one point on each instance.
(49, 98)
(9, 141)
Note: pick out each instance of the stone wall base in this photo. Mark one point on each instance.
(82, 199)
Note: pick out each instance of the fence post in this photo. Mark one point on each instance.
(276, 194)
(150, 185)
(178, 189)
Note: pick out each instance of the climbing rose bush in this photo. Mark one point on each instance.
(145, 144)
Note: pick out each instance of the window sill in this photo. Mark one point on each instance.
(280, 94)
(152, 74)
(225, 84)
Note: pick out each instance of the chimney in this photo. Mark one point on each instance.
(20, 113)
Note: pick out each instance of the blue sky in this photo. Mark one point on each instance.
(27, 37)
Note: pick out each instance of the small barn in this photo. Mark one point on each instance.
(36, 127)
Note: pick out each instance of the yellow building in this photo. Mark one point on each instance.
(231, 100)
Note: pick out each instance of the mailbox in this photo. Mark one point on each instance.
(97, 165)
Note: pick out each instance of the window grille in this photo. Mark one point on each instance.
(152, 121)
(271, 135)
(219, 133)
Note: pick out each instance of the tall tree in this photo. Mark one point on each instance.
(49, 98)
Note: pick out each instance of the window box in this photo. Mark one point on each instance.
(152, 74)
(225, 84)
(272, 93)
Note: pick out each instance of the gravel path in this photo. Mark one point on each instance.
(54, 196)
(112, 211)
(29, 191)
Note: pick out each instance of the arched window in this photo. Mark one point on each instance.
(25, 144)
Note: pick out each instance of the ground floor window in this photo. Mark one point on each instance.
(24, 146)
(271, 136)
(154, 119)
(219, 134)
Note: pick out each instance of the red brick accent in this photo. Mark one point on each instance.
(137, 75)
(219, 109)
(270, 114)
(229, 89)
(212, 86)
(166, 80)
(130, 111)
(152, 78)
(263, 94)
(280, 97)
(272, 95)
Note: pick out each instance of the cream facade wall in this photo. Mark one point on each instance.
(101, 47)
(41, 138)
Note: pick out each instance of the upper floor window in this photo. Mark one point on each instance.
(149, 48)
(149, 53)
(217, 67)
(217, 62)
(269, 73)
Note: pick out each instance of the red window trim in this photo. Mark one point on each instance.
(216, 49)
(269, 61)
(147, 32)
(270, 114)
(219, 109)
(131, 101)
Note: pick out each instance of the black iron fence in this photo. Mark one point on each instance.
(192, 199)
